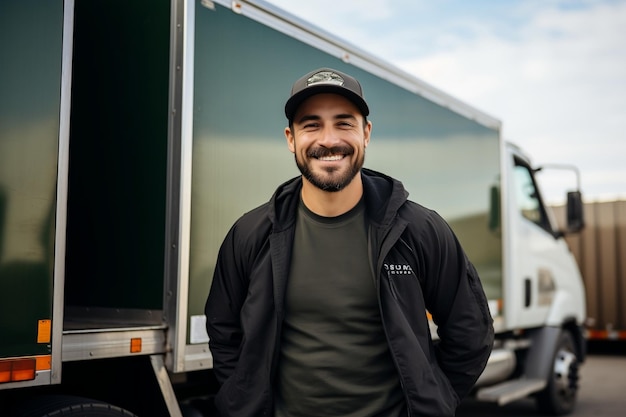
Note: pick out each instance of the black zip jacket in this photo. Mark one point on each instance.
(245, 306)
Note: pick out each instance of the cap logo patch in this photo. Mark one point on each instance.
(325, 77)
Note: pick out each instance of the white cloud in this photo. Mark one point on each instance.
(559, 88)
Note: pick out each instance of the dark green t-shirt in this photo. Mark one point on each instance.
(334, 358)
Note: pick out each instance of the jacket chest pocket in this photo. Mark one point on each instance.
(401, 279)
(401, 273)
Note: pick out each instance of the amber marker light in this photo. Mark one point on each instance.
(135, 345)
(15, 370)
(44, 362)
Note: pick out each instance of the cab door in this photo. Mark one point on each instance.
(534, 250)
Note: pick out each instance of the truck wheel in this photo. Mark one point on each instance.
(66, 405)
(559, 396)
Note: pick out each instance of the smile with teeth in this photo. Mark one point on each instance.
(331, 158)
(333, 154)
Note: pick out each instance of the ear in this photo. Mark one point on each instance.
(367, 132)
(290, 140)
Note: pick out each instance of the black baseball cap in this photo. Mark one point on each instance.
(325, 80)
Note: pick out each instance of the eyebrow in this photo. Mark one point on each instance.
(340, 116)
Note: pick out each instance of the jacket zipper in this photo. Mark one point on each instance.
(392, 285)
(373, 263)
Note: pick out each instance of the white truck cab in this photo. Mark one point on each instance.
(539, 319)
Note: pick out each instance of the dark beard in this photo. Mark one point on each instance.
(330, 185)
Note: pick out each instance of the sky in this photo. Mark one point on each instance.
(552, 71)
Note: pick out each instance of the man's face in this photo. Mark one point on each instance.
(328, 140)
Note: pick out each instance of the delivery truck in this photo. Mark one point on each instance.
(134, 133)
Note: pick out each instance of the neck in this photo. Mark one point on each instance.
(332, 204)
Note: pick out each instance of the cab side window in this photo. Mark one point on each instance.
(527, 196)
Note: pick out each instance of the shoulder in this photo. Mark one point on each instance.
(244, 240)
(425, 225)
(277, 214)
(253, 224)
(415, 213)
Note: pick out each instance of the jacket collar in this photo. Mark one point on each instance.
(383, 197)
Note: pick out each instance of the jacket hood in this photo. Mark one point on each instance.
(383, 197)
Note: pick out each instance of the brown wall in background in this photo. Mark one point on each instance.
(600, 251)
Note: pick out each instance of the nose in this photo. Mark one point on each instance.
(328, 137)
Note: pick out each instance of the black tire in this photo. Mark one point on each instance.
(559, 396)
(66, 405)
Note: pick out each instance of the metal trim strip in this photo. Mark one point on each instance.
(110, 344)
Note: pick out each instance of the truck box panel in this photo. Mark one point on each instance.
(30, 85)
(240, 155)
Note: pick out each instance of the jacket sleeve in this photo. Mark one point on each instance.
(223, 307)
(454, 296)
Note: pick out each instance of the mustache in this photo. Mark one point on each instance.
(321, 152)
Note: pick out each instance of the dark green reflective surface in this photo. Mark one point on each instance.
(30, 85)
(243, 74)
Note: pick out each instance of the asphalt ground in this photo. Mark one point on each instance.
(602, 390)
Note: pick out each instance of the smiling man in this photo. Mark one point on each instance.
(319, 298)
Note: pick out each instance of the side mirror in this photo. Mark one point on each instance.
(494, 208)
(575, 215)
